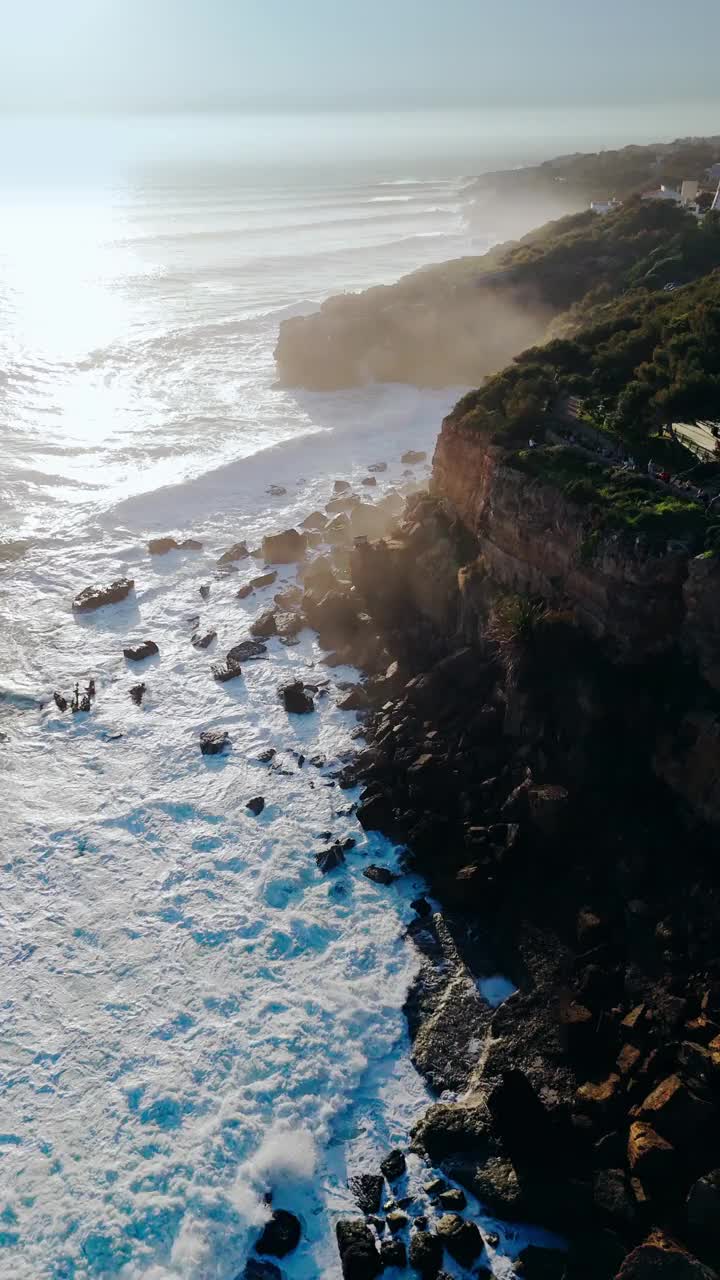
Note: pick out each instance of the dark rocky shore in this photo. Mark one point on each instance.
(515, 755)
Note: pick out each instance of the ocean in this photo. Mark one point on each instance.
(192, 1014)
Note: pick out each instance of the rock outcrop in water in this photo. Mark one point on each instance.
(97, 596)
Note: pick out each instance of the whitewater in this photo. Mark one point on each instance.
(192, 1014)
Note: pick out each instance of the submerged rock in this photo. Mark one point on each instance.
(280, 1235)
(412, 456)
(379, 875)
(263, 580)
(256, 805)
(139, 652)
(238, 551)
(393, 1253)
(97, 597)
(205, 590)
(329, 859)
(203, 641)
(393, 1166)
(295, 700)
(161, 546)
(276, 490)
(214, 741)
(259, 1269)
(370, 481)
(378, 467)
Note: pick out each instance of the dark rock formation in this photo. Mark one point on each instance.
(460, 1237)
(260, 1269)
(137, 653)
(379, 875)
(281, 1235)
(264, 626)
(426, 1253)
(161, 546)
(60, 702)
(223, 672)
(359, 1257)
(413, 456)
(264, 580)
(137, 692)
(96, 597)
(393, 1253)
(393, 1166)
(256, 805)
(203, 640)
(367, 1189)
(246, 651)
(295, 699)
(329, 859)
(214, 741)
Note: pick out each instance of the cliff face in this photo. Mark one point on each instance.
(534, 542)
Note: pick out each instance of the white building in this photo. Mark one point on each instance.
(689, 191)
(663, 193)
(605, 206)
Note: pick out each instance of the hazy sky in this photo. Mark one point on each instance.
(380, 53)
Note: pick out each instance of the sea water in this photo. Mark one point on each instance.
(192, 1014)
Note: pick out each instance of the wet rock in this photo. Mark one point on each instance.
(393, 1166)
(497, 1187)
(60, 702)
(338, 530)
(678, 1113)
(460, 1237)
(214, 741)
(205, 590)
(276, 490)
(97, 597)
(421, 907)
(370, 481)
(542, 1264)
(520, 1118)
(246, 651)
(662, 1258)
(288, 625)
(284, 548)
(264, 626)
(238, 551)
(393, 1253)
(280, 1235)
(342, 486)
(412, 457)
(136, 693)
(612, 1198)
(295, 699)
(137, 653)
(650, 1157)
(267, 755)
(263, 580)
(426, 1253)
(345, 503)
(223, 672)
(244, 591)
(356, 700)
(453, 1198)
(396, 1220)
(375, 813)
(256, 805)
(289, 599)
(359, 1257)
(703, 1209)
(203, 640)
(259, 1269)
(451, 1129)
(161, 546)
(315, 522)
(329, 859)
(367, 1189)
(379, 875)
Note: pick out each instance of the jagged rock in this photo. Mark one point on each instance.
(263, 580)
(393, 1253)
(264, 626)
(97, 597)
(280, 1235)
(246, 650)
(260, 1269)
(267, 755)
(393, 1166)
(243, 592)
(379, 875)
(225, 671)
(338, 530)
(342, 486)
(284, 548)
(375, 814)
(370, 481)
(662, 1258)
(413, 456)
(329, 859)
(276, 490)
(238, 551)
(289, 599)
(378, 467)
(367, 1189)
(396, 1220)
(214, 741)
(161, 546)
(460, 1237)
(426, 1253)
(453, 1198)
(542, 1264)
(288, 625)
(205, 590)
(677, 1112)
(496, 1186)
(256, 805)
(136, 693)
(203, 640)
(137, 653)
(650, 1156)
(359, 1257)
(315, 522)
(60, 702)
(295, 700)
